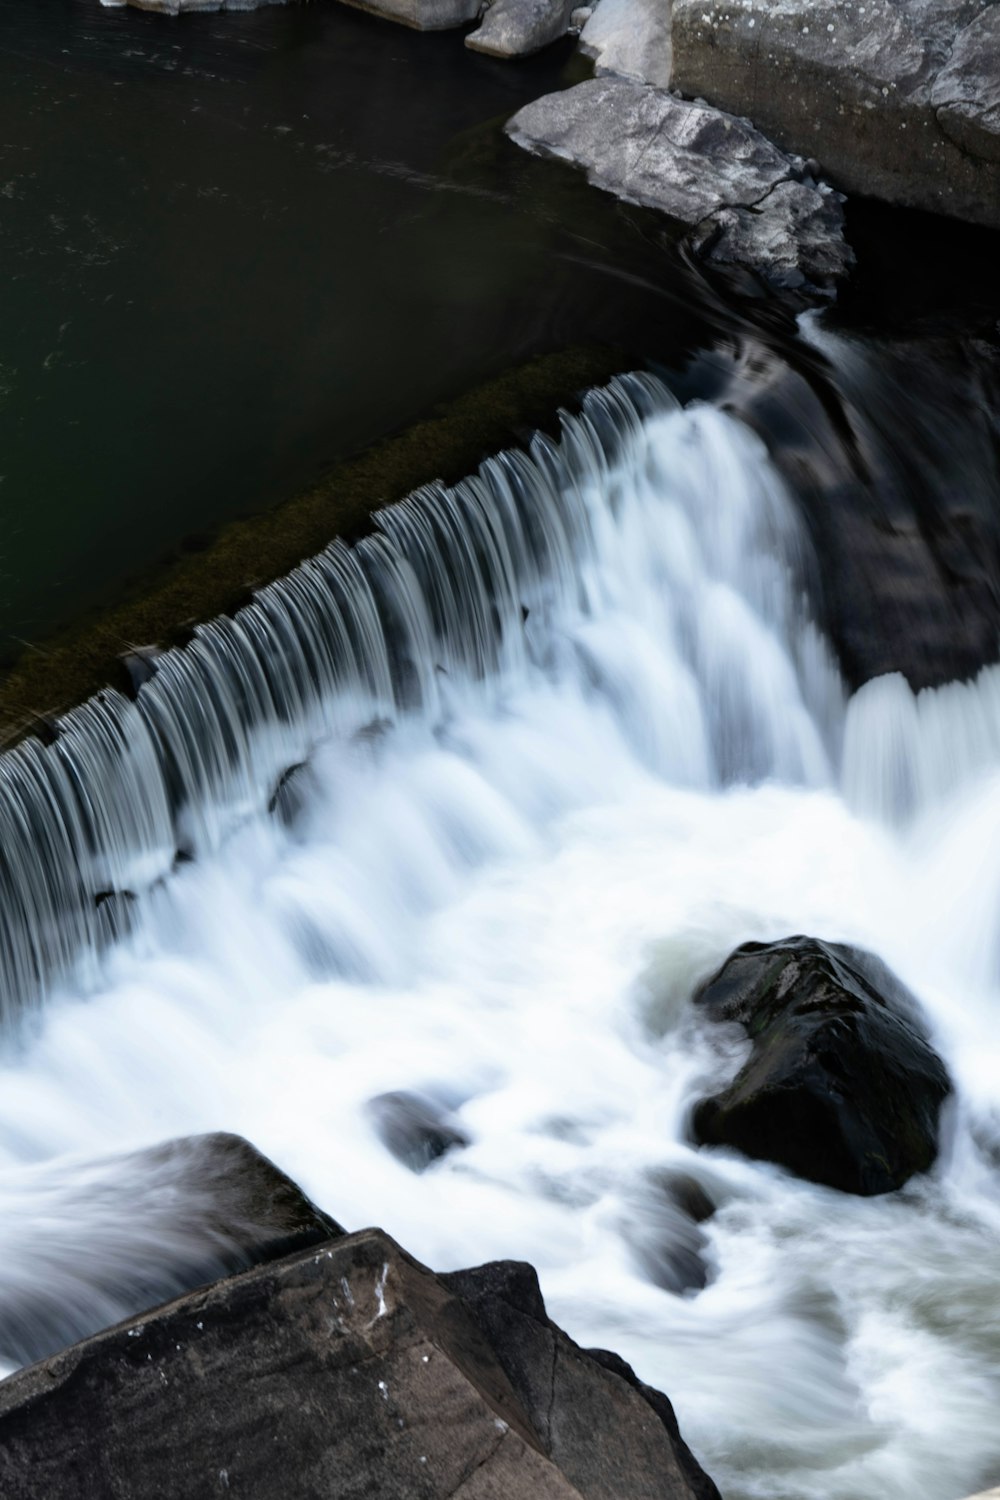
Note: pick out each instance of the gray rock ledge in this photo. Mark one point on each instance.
(899, 99)
(747, 201)
(347, 1371)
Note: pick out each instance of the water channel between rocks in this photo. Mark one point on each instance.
(563, 736)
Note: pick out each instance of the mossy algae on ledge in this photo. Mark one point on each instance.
(215, 573)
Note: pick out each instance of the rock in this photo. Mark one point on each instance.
(294, 789)
(898, 100)
(422, 15)
(177, 7)
(900, 502)
(692, 162)
(841, 1087)
(795, 234)
(348, 1370)
(515, 28)
(123, 1233)
(662, 1230)
(591, 1426)
(415, 1128)
(630, 38)
(966, 93)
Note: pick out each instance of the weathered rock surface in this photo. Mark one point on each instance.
(422, 15)
(344, 1371)
(417, 1130)
(696, 164)
(593, 1428)
(966, 92)
(842, 1086)
(630, 38)
(516, 28)
(123, 1233)
(898, 99)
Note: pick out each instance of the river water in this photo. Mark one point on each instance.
(570, 735)
(562, 737)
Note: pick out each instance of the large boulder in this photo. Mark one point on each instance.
(898, 99)
(100, 1240)
(630, 38)
(698, 165)
(516, 28)
(344, 1371)
(841, 1086)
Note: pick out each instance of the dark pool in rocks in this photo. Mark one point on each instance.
(237, 247)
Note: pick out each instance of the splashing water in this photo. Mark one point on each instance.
(537, 755)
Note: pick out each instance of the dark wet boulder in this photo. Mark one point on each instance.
(842, 1086)
(124, 1232)
(344, 1371)
(417, 1129)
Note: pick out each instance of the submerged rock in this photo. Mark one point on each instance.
(347, 1370)
(698, 165)
(516, 28)
(899, 100)
(630, 38)
(841, 1087)
(415, 1128)
(122, 1233)
(662, 1229)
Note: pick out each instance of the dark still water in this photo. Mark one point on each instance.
(235, 247)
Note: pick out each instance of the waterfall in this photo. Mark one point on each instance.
(469, 809)
(671, 518)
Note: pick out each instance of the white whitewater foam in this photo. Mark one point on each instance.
(503, 896)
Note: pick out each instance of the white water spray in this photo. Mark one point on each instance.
(569, 737)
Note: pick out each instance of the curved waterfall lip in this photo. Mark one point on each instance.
(672, 520)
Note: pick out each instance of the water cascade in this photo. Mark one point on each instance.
(469, 809)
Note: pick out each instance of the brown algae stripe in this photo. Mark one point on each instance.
(54, 674)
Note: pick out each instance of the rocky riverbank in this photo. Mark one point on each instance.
(898, 100)
(343, 1368)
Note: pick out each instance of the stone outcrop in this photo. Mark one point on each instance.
(348, 1370)
(746, 198)
(129, 1231)
(516, 28)
(842, 1086)
(898, 99)
(630, 38)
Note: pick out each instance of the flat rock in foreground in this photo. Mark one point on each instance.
(344, 1371)
(698, 165)
(898, 100)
